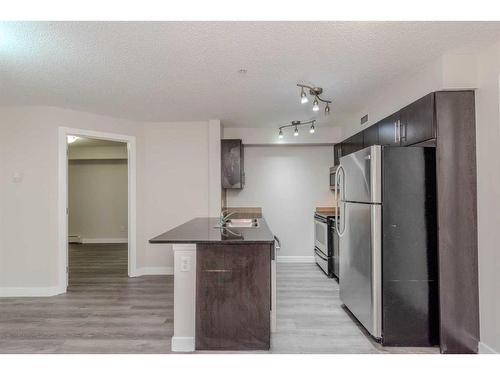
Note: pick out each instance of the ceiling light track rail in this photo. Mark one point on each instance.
(296, 124)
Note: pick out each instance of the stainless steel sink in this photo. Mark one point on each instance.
(239, 223)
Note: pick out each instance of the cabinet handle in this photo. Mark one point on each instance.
(397, 131)
(217, 271)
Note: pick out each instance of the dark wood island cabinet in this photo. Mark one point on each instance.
(233, 297)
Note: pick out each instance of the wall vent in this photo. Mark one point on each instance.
(364, 119)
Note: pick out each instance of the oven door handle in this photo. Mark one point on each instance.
(320, 254)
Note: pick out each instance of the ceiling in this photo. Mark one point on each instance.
(176, 71)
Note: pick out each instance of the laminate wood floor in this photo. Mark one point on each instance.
(104, 311)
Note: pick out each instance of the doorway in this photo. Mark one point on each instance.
(97, 235)
(97, 210)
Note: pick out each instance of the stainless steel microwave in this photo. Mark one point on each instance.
(333, 172)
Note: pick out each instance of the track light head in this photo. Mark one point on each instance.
(303, 97)
(311, 129)
(296, 132)
(280, 134)
(327, 109)
(316, 105)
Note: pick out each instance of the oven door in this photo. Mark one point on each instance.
(321, 260)
(321, 234)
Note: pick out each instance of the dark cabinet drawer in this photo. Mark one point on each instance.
(417, 121)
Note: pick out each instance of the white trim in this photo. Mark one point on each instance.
(486, 349)
(183, 344)
(105, 240)
(143, 271)
(47, 291)
(63, 196)
(295, 259)
(184, 297)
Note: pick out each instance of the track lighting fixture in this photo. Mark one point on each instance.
(316, 92)
(295, 125)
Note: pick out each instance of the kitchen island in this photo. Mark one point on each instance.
(223, 284)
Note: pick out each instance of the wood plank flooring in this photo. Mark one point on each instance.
(104, 311)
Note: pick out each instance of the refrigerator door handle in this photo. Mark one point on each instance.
(342, 189)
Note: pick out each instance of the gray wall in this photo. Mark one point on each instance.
(97, 195)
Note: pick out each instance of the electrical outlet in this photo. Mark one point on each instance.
(185, 264)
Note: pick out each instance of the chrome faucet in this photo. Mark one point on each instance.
(224, 218)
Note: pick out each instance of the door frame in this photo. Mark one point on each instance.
(63, 197)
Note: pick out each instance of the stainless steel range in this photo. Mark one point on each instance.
(324, 249)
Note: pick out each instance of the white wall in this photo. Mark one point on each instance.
(173, 175)
(97, 199)
(288, 182)
(172, 186)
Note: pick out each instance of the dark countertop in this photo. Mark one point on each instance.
(201, 230)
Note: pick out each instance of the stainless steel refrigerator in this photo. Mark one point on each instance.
(388, 247)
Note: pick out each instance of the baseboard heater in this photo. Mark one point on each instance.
(74, 238)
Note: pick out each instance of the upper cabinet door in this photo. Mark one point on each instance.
(232, 175)
(370, 136)
(389, 130)
(352, 144)
(337, 153)
(417, 121)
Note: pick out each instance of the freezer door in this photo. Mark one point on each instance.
(361, 179)
(360, 265)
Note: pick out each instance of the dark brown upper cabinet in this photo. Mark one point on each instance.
(389, 130)
(232, 173)
(417, 121)
(352, 144)
(337, 153)
(370, 136)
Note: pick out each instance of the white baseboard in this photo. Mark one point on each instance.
(183, 344)
(486, 349)
(47, 291)
(104, 240)
(295, 259)
(143, 271)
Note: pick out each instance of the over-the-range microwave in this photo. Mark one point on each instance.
(333, 172)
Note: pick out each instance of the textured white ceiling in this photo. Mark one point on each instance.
(169, 71)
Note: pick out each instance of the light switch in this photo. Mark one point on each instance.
(185, 264)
